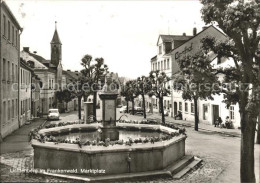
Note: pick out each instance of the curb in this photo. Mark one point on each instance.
(203, 129)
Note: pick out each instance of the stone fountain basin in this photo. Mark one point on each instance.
(116, 159)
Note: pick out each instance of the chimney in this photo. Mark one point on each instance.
(26, 49)
(194, 31)
(184, 34)
(34, 52)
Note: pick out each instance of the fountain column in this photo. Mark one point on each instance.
(108, 97)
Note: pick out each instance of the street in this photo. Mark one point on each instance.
(220, 154)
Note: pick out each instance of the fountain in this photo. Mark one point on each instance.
(147, 149)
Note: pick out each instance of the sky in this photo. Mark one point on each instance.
(124, 33)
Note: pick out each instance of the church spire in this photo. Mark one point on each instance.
(55, 39)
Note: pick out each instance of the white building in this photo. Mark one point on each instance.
(208, 110)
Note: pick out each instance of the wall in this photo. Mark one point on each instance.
(8, 76)
(144, 157)
(25, 95)
(195, 45)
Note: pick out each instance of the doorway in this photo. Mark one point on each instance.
(175, 108)
(215, 113)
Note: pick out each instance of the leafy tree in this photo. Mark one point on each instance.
(125, 94)
(129, 92)
(99, 71)
(64, 96)
(94, 72)
(143, 86)
(158, 80)
(240, 21)
(195, 80)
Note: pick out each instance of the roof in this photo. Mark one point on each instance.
(194, 37)
(154, 57)
(3, 4)
(38, 57)
(71, 74)
(26, 56)
(55, 38)
(171, 38)
(24, 64)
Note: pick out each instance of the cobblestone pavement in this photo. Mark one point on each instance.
(207, 172)
(220, 154)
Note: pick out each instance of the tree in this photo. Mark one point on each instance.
(158, 80)
(94, 72)
(125, 94)
(194, 79)
(143, 87)
(129, 92)
(99, 71)
(240, 21)
(64, 96)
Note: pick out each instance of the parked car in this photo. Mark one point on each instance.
(53, 114)
(122, 109)
(137, 110)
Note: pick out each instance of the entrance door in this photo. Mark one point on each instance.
(175, 108)
(215, 113)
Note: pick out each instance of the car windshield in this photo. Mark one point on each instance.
(53, 111)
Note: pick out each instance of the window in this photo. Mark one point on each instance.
(12, 108)
(192, 108)
(9, 29)
(158, 66)
(161, 65)
(160, 49)
(4, 112)
(168, 64)
(13, 34)
(4, 69)
(16, 107)
(8, 71)
(9, 110)
(231, 113)
(12, 72)
(186, 107)
(165, 65)
(4, 22)
(16, 70)
(16, 38)
(180, 106)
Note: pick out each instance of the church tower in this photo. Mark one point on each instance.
(55, 48)
(56, 57)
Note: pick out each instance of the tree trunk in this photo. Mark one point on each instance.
(133, 107)
(127, 107)
(144, 106)
(94, 105)
(258, 131)
(247, 164)
(162, 110)
(196, 127)
(79, 107)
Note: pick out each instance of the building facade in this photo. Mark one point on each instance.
(9, 68)
(209, 110)
(163, 62)
(25, 92)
